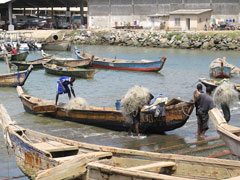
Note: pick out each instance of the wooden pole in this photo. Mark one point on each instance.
(6, 59)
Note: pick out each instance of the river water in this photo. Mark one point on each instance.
(178, 78)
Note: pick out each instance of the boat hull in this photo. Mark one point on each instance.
(19, 57)
(57, 46)
(220, 72)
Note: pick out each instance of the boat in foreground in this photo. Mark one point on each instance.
(120, 64)
(15, 79)
(177, 114)
(87, 73)
(43, 157)
(23, 65)
(68, 62)
(228, 133)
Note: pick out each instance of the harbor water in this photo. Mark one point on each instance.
(177, 79)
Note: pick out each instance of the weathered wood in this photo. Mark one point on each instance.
(72, 168)
(156, 166)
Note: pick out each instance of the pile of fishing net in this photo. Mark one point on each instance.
(134, 100)
(76, 103)
(225, 94)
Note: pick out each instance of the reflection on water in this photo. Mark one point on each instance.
(178, 78)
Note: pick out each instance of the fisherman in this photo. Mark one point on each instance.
(62, 85)
(195, 95)
(205, 103)
(14, 51)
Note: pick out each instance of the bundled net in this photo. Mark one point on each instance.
(225, 94)
(76, 103)
(133, 101)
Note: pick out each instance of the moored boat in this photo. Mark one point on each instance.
(87, 73)
(59, 45)
(69, 62)
(213, 83)
(15, 79)
(228, 133)
(23, 65)
(120, 64)
(43, 156)
(220, 69)
(177, 114)
(20, 56)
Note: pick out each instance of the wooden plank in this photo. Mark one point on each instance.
(216, 117)
(54, 146)
(72, 168)
(157, 165)
(19, 90)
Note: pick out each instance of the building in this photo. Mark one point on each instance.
(190, 19)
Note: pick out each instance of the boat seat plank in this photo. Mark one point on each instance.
(54, 146)
(157, 165)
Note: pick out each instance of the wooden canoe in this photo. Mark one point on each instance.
(213, 83)
(23, 65)
(60, 45)
(20, 56)
(177, 114)
(69, 62)
(228, 133)
(69, 71)
(15, 79)
(220, 69)
(120, 64)
(44, 157)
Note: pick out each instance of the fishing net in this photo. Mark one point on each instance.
(134, 100)
(225, 94)
(76, 103)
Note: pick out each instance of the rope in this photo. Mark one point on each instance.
(14, 177)
(185, 112)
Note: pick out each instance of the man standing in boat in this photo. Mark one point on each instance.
(62, 85)
(205, 103)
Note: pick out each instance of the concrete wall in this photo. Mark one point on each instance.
(106, 13)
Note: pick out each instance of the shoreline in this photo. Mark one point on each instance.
(209, 40)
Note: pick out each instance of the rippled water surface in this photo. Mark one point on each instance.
(178, 78)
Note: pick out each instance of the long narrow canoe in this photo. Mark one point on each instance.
(120, 64)
(69, 62)
(44, 157)
(87, 73)
(177, 114)
(220, 69)
(15, 79)
(23, 65)
(228, 133)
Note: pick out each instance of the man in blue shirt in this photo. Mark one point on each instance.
(62, 85)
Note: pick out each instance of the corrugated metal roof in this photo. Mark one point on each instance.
(189, 11)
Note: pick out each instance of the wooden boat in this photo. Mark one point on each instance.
(69, 71)
(59, 45)
(15, 79)
(23, 65)
(229, 134)
(177, 114)
(41, 156)
(119, 64)
(213, 83)
(69, 62)
(20, 56)
(219, 69)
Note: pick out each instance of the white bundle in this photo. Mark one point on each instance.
(76, 103)
(225, 94)
(134, 100)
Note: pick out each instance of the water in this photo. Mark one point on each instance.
(178, 78)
